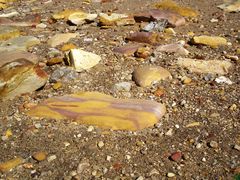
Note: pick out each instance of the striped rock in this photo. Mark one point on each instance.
(104, 111)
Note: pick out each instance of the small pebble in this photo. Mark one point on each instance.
(109, 158)
(51, 158)
(170, 175)
(213, 144)
(237, 147)
(100, 144)
(169, 132)
(199, 145)
(90, 129)
(128, 157)
(39, 156)
(140, 178)
(204, 160)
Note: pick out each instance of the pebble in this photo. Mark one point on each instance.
(170, 175)
(204, 159)
(213, 144)
(37, 125)
(154, 172)
(40, 156)
(123, 86)
(51, 158)
(177, 156)
(128, 157)
(237, 147)
(233, 107)
(169, 132)
(140, 178)
(100, 144)
(199, 145)
(61, 38)
(90, 129)
(82, 166)
(109, 158)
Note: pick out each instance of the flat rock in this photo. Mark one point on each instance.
(8, 165)
(212, 41)
(204, 66)
(115, 19)
(128, 49)
(10, 56)
(146, 75)
(173, 48)
(7, 32)
(8, 22)
(19, 77)
(144, 37)
(231, 6)
(79, 18)
(83, 60)
(64, 14)
(58, 39)
(94, 108)
(21, 43)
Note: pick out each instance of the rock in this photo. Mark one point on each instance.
(237, 147)
(171, 5)
(64, 14)
(41, 25)
(233, 107)
(54, 61)
(82, 60)
(123, 86)
(159, 92)
(238, 51)
(90, 129)
(213, 144)
(204, 66)
(145, 37)
(156, 26)
(93, 108)
(193, 124)
(21, 43)
(82, 166)
(173, 48)
(51, 158)
(177, 156)
(231, 6)
(79, 18)
(212, 41)
(57, 85)
(187, 80)
(143, 52)
(39, 156)
(68, 47)
(9, 56)
(223, 79)
(154, 172)
(63, 74)
(128, 49)
(8, 165)
(61, 38)
(170, 175)
(146, 75)
(7, 32)
(20, 76)
(173, 18)
(115, 19)
(100, 144)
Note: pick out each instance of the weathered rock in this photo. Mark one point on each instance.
(146, 75)
(21, 43)
(58, 39)
(63, 74)
(212, 41)
(10, 56)
(98, 109)
(8, 165)
(231, 6)
(79, 18)
(144, 37)
(128, 49)
(173, 48)
(204, 66)
(7, 32)
(156, 26)
(115, 19)
(20, 76)
(171, 5)
(40, 156)
(82, 60)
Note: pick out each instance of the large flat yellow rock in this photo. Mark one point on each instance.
(94, 108)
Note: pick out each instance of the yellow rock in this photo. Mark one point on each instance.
(187, 80)
(67, 47)
(8, 33)
(54, 61)
(8, 133)
(191, 34)
(57, 85)
(212, 41)
(40, 156)
(238, 51)
(171, 5)
(193, 124)
(65, 14)
(93, 108)
(8, 165)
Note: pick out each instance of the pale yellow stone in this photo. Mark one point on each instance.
(212, 41)
(8, 165)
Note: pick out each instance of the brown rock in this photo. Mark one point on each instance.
(144, 37)
(40, 156)
(146, 75)
(173, 48)
(177, 156)
(54, 61)
(128, 49)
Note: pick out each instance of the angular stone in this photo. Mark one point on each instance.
(144, 37)
(128, 49)
(203, 66)
(8, 165)
(20, 76)
(10, 56)
(231, 6)
(94, 108)
(83, 60)
(7, 32)
(146, 75)
(21, 43)
(115, 19)
(171, 5)
(212, 41)
(79, 18)
(58, 39)
(173, 48)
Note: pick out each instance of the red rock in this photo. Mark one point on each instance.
(177, 156)
(144, 37)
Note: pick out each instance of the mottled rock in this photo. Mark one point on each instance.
(82, 60)
(93, 108)
(146, 75)
(7, 32)
(156, 26)
(204, 66)
(212, 41)
(8, 165)
(20, 76)
(61, 38)
(21, 43)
